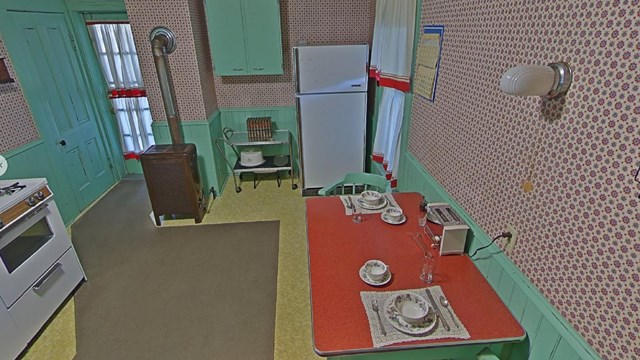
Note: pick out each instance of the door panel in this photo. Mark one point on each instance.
(64, 103)
(264, 40)
(332, 132)
(224, 20)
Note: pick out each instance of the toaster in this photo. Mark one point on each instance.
(454, 230)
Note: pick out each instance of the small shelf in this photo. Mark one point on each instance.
(268, 166)
(241, 138)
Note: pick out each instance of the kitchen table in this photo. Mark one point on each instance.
(339, 247)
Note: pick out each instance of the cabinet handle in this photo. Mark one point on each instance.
(258, 68)
(38, 287)
(238, 69)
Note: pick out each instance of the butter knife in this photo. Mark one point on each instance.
(437, 310)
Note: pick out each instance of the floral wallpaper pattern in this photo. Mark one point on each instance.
(579, 229)
(16, 121)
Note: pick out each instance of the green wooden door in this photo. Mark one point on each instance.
(226, 34)
(64, 100)
(263, 36)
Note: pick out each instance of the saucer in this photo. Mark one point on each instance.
(391, 221)
(385, 279)
(394, 318)
(364, 205)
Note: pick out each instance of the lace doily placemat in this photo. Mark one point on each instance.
(345, 201)
(393, 335)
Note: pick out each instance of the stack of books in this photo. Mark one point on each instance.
(259, 129)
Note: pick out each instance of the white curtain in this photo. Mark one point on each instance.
(134, 120)
(392, 48)
(116, 52)
(387, 140)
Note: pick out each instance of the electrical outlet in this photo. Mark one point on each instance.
(511, 243)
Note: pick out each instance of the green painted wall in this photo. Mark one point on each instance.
(32, 160)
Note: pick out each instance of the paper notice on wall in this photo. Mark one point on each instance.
(424, 81)
(429, 50)
(428, 61)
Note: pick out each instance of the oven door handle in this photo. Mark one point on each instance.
(38, 287)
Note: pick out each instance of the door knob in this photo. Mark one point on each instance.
(63, 143)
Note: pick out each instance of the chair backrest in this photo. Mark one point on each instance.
(354, 183)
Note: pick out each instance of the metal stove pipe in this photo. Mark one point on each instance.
(163, 42)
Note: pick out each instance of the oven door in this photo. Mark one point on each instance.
(28, 248)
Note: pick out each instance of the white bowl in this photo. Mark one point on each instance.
(412, 308)
(371, 197)
(375, 269)
(251, 157)
(394, 213)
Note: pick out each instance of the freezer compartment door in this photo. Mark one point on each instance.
(331, 69)
(332, 136)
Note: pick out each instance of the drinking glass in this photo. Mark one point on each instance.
(356, 216)
(428, 267)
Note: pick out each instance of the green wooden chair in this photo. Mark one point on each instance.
(354, 183)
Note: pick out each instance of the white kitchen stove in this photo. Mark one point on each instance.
(39, 267)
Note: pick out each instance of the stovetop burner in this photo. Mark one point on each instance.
(13, 188)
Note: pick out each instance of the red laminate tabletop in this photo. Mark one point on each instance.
(338, 248)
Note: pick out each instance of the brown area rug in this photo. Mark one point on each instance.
(188, 292)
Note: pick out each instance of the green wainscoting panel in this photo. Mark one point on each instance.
(195, 132)
(199, 132)
(283, 118)
(32, 161)
(549, 335)
(133, 166)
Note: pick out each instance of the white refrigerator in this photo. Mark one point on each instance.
(331, 101)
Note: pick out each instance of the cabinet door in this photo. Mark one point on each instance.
(263, 37)
(226, 36)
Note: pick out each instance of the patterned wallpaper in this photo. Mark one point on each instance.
(579, 229)
(16, 122)
(310, 21)
(190, 70)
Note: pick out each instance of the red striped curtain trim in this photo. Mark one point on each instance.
(131, 155)
(126, 93)
(380, 160)
(397, 83)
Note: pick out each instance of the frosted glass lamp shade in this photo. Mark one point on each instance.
(534, 80)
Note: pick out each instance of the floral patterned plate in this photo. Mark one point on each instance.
(392, 221)
(365, 278)
(364, 205)
(394, 318)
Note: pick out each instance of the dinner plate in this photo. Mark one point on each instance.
(366, 279)
(394, 318)
(364, 205)
(392, 221)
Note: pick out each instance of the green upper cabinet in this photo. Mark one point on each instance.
(245, 36)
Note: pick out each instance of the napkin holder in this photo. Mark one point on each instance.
(454, 230)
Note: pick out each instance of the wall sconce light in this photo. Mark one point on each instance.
(5, 78)
(550, 81)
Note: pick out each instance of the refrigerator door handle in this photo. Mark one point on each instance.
(296, 69)
(300, 158)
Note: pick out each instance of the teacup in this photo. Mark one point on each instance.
(371, 197)
(376, 269)
(411, 307)
(394, 213)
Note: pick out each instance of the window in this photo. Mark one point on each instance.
(116, 51)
